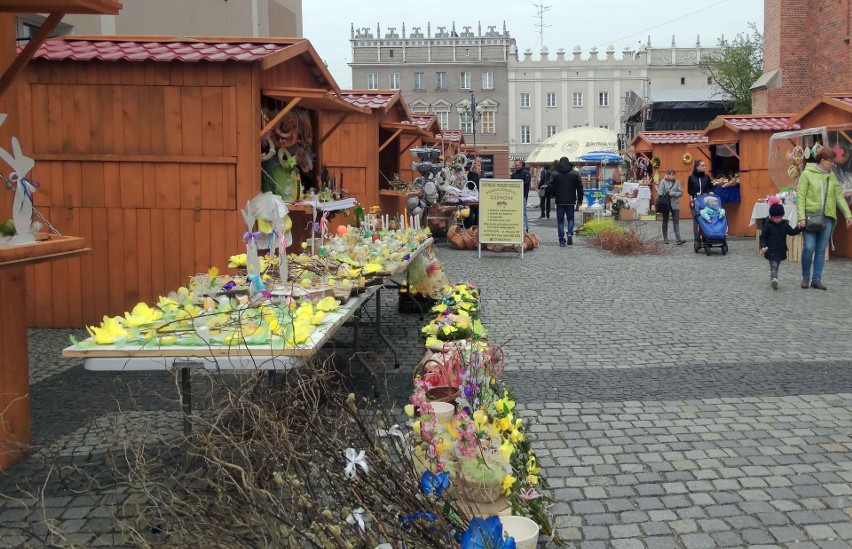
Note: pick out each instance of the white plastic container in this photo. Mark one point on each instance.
(444, 411)
(524, 530)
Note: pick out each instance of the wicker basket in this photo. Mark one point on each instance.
(443, 393)
(480, 492)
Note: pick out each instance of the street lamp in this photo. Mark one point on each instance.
(470, 112)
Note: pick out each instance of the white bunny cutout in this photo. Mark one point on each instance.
(22, 205)
(252, 261)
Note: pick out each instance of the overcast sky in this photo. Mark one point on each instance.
(587, 24)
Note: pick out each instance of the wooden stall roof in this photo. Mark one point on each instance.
(314, 99)
(451, 136)
(751, 122)
(106, 7)
(426, 121)
(644, 141)
(842, 101)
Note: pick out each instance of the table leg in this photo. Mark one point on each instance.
(381, 334)
(186, 397)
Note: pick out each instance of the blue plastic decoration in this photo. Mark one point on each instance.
(430, 483)
(486, 534)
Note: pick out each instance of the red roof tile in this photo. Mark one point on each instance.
(377, 100)
(658, 138)
(186, 50)
(450, 135)
(423, 120)
(759, 123)
(847, 100)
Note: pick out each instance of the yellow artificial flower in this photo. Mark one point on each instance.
(444, 447)
(439, 308)
(168, 340)
(532, 479)
(516, 436)
(305, 311)
(317, 318)
(503, 424)
(372, 267)
(532, 468)
(463, 321)
(141, 314)
(409, 410)
(328, 304)
(433, 341)
(452, 431)
(430, 329)
(508, 482)
(297, 332)
(416, 427)
(506, 449)
(108, 332)
(480, 419)
(212, 273)
(449, 329)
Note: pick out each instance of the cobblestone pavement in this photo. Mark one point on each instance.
(676, 400)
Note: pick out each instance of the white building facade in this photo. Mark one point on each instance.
(549, 95)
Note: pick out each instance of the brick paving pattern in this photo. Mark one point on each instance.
(659, 425)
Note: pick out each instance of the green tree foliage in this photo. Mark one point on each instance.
(736, 68)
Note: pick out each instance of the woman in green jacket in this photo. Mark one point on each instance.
(819, 190)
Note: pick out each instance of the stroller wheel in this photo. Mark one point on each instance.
(697, 245)
(707, 248)
(724, 249)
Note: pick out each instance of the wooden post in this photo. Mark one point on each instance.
(14, 368)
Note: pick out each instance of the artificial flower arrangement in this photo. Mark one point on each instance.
(179, 319)
(483, 449)
(457, 317)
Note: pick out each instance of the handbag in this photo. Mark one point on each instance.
(815, 221)
(663, 204)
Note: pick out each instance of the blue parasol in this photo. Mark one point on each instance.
(605, 157)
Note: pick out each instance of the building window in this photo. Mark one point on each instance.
(551, 130)
(441, 81)
(603, 99)
(488, 122)
(709, 80)
(525, 100)
(578, 126)
(551, 99)
(604, 126)
(390, 53)
(525, 135)
(372, 81)
(419, 81)
(394, 81)
(488, 81)
(466, 124)
(467, 52)
(682, 81)
(464, 81)
(443, 119)
(578, 99)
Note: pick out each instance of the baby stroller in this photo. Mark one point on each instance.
(713, 233)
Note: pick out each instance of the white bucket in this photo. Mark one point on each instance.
(524, 530)
(444, 411)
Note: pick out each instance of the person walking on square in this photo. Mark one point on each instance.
(699, 183)
(544, 194)
(521, 172)
(670, 186)
(773, 240)
(819, 191)
(567, 188)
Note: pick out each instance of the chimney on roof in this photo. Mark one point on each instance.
(479, 28)
(578, 51)
(673, 41)
(698, 41)
(428, 29)
(560, 54)
(403, 30)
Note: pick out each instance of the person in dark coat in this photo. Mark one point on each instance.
(567, 188)
(544, 195)
(522, 172)
(699, 183)
(773, 240)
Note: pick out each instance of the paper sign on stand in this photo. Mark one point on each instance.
(501, 212)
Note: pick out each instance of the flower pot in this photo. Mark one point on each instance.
(444, 411)
(524, 530)
(479, 492)
(443, 394)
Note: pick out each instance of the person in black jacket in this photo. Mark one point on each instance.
(567, 189)
(773, 240)
(544, 192)
(699, 183)
(521, 172)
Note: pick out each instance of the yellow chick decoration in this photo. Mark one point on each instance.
(108, 332)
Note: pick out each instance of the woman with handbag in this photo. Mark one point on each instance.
(669, 192)
(818, 196)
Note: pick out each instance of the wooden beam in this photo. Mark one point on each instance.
(280, 115)
(153, 158)
(732, 150)
(407, 146)
(388, 142)
(333, 128)
(29, 50)
(109, 7)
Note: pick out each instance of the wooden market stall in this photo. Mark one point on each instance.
(670, 148)
(377, 143)
(833, 112)
(149, 146)
(16, 287)
(736, 147)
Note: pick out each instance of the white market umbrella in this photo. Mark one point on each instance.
(574, 142)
